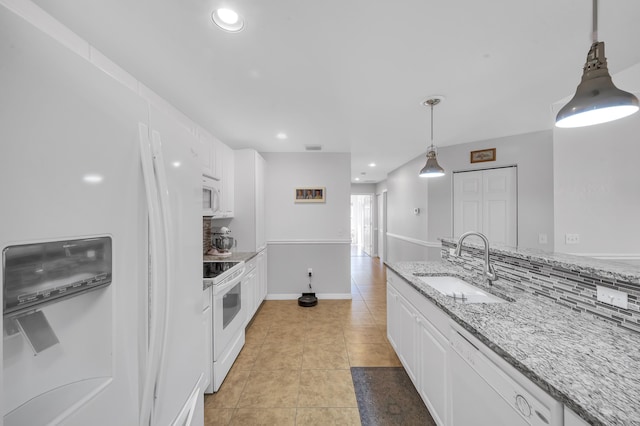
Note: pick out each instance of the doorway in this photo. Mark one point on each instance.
(381, 225)
(362, 225)
(487, 201)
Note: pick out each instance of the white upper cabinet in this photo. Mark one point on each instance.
(218, 163)
(209, 153)
(249, 222)
(228, 179)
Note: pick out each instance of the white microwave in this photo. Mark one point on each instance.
(210, 197)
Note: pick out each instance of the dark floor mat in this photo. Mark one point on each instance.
(386, 396)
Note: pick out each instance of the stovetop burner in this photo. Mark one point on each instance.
(214, 269)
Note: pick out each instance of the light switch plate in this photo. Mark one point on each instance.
(612, 297)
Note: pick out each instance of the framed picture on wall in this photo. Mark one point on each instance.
(483, 155)
(313, 194)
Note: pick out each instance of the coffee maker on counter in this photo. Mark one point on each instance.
(222, 242)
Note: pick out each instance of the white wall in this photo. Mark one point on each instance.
(531, 152)
(406, 231)
(597, 196)
(363, 188)
(313, 235)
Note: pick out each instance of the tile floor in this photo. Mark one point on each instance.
(294, 367)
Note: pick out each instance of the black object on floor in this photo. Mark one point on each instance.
(307, 300)
(386, 396)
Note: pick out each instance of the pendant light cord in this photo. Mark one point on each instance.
(594, 34)
(431, 125)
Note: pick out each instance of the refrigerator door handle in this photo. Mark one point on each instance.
(165, 209)
(155, 250)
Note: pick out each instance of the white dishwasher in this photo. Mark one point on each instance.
(481, 393)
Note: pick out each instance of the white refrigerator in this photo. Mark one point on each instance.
(100, 233)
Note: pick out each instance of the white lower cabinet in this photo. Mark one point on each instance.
(477, 388)
(432, 380)
(207, 320)
(422, 349)
(406, 340)
(255, 283)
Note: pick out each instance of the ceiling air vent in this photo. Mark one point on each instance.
(313, 147)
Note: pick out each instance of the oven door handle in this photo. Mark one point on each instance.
(224, 287)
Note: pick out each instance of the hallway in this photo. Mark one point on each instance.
(295, 366)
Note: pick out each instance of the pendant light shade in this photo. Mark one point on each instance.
(432, 168)
(597, 99)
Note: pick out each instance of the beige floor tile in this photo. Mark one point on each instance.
(358, 306)
(372, 355)
(256, 333)
(229, 393)
(328, 416)
(264, 417)
(363, 334)
(271, 389)
(248, 356)
(286, 333)
(280, 356)
(217, 416)
(358, 318)
(324, 357)
(325, 334)
(326, 388)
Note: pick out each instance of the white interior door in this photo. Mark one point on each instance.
(382, 224)
(487, 201)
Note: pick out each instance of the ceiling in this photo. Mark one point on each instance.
(351, 75)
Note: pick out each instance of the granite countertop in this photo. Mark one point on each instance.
(243, 256)
(589, 365)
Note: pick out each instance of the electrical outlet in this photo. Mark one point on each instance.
(310, 271)
(612, 297)
(572, 238)
(542, 238)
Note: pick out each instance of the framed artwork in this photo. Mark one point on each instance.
(314, 194)
(483, 155)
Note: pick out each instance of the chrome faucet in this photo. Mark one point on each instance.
(489, 272)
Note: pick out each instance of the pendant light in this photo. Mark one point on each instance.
(597, 99)
(432, 168)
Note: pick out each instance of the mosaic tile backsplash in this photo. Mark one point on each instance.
(569, 285)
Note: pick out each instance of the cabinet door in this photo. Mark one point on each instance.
(228, 170)
(207, 319)
(432, 379)
(407, 325)
(249, 289)
(206, 155)
(392, 316)
(208, 148)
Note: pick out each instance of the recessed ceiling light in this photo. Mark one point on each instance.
(372, 164)
(228, 20)
(281, 136)
(357, 179)
(92, 178)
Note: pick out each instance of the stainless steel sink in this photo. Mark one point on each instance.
(459, 290)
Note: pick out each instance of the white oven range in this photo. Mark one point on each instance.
(228, 316)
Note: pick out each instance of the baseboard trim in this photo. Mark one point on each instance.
(320, 296)
(415, 240)
(291, 242)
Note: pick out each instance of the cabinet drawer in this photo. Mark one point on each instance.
(251, 264)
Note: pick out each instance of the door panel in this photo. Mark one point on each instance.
(486, 201)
